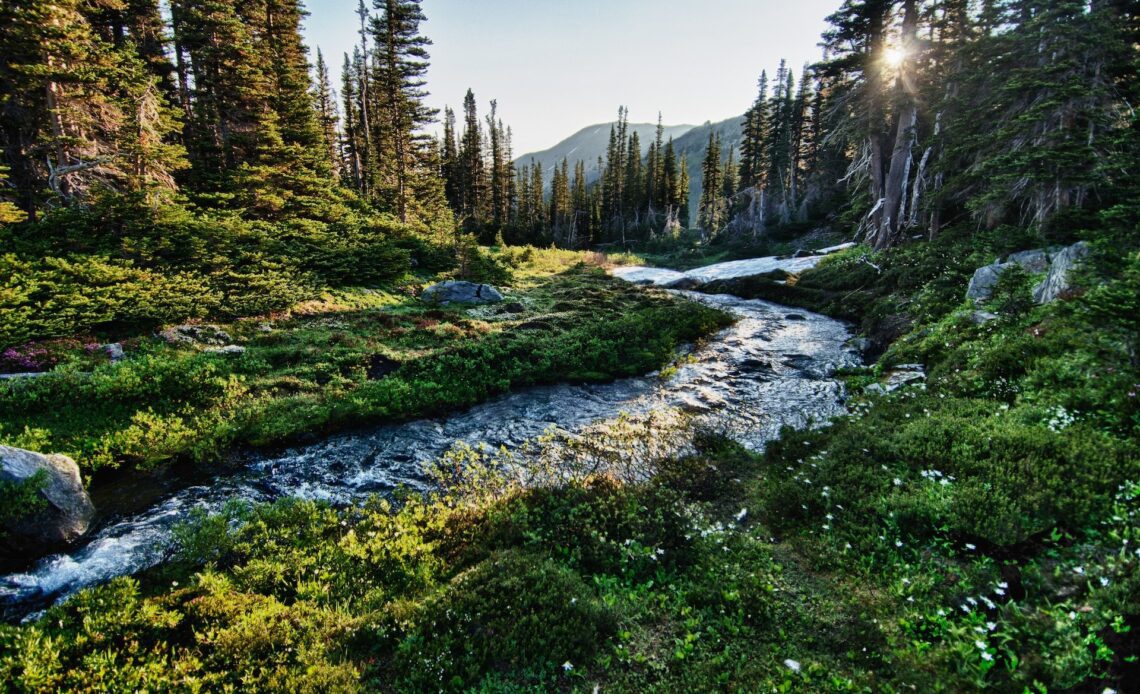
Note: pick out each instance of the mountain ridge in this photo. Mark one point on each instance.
(590, 142)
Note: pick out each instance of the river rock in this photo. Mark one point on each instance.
(210, 335)
(69, 509)
(861, 345)
(1057, 282)
(460, 292)
(687, 283)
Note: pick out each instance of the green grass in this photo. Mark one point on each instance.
(350, 357)
(978, 533)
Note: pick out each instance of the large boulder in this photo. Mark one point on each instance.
(1058, 265)
(1033, 262)
(981, 287)
(460, 292)
(1057, 282)
(68, 512)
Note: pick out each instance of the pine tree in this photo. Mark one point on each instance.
(472, 170)
(684, 184)
(400, 68)
(328, 118)
(353, 145)
(500, 174)
(83, 111)
(753, 152)
(538, 211)
(580, 207)
(561, 211)
(450, 166)
(709, 212)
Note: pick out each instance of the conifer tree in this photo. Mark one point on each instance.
(472, 171)
(352, 134)
(538, 211)
(83, 112)
(402, 112)
(753, 149)
(709, 212)
(328, 119)
(450, 167)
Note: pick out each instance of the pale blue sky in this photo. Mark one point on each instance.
(556, 67)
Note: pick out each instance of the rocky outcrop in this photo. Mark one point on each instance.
(1057, 282)
(227, 350)
(1033, 262)
(209, 335)
(68, 512)
(1058, 265)
(898, 377)
(459, 292)
(981, 287)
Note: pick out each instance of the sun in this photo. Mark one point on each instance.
(894, 56)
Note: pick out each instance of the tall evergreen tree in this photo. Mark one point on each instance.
(328, 118)
(710, 210)
(402, 112)
(472, 170)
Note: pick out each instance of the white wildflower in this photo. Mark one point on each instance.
(792, 665)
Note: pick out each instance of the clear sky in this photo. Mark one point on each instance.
(556, 66)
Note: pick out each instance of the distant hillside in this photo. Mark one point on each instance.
(590, 143)
(693, 143)
(690, 140)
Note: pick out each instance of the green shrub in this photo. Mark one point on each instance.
(515, 612)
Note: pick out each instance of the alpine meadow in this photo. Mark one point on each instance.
(310, 382)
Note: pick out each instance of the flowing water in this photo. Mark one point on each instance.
(772, 368)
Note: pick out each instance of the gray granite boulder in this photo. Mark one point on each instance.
(1033, 262)
(68, 512)
(981, 287)
(1058, 264)
(460, 292)
(1058, 281)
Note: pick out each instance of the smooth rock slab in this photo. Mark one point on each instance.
(460, 292)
